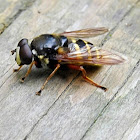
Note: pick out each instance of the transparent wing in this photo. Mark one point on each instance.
(91, 56)
(85, 33)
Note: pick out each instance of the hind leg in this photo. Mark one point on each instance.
(84, 74)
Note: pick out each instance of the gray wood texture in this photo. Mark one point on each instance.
(70, 108)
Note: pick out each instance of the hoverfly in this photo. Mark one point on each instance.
(55, 50)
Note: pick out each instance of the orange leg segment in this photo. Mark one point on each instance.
(76, 67)
(16, 70)
(28, 71)
(50, 76)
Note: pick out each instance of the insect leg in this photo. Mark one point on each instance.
(16, 70)
(28, 71)
(85, 76)
(50, 76)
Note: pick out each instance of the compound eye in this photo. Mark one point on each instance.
(25, 52)
(23, 42)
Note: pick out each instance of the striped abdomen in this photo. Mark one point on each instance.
(76, 47)
(70, 45)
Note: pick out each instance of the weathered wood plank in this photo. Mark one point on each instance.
(24, 115)
(10, 9)
(72, 114)
(121, 119)
(20, 103)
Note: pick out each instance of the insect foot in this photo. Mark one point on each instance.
(104, 88)
(15, 70)
(22, 79)
(38, 93)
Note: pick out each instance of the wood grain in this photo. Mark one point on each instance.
(70, 108)
(10, 10)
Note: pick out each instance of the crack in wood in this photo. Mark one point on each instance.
(107, 37)
(106, 106)
(50, 107)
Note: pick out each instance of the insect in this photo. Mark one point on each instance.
(55, 50)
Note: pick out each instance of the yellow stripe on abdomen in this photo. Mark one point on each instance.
(88, 49)
(77, 48)
(76, 45)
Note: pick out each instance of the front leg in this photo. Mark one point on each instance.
(28, 72)
(16, 70)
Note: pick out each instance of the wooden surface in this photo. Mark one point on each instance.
(69, 108)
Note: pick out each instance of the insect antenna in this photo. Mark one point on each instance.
(13, 51)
